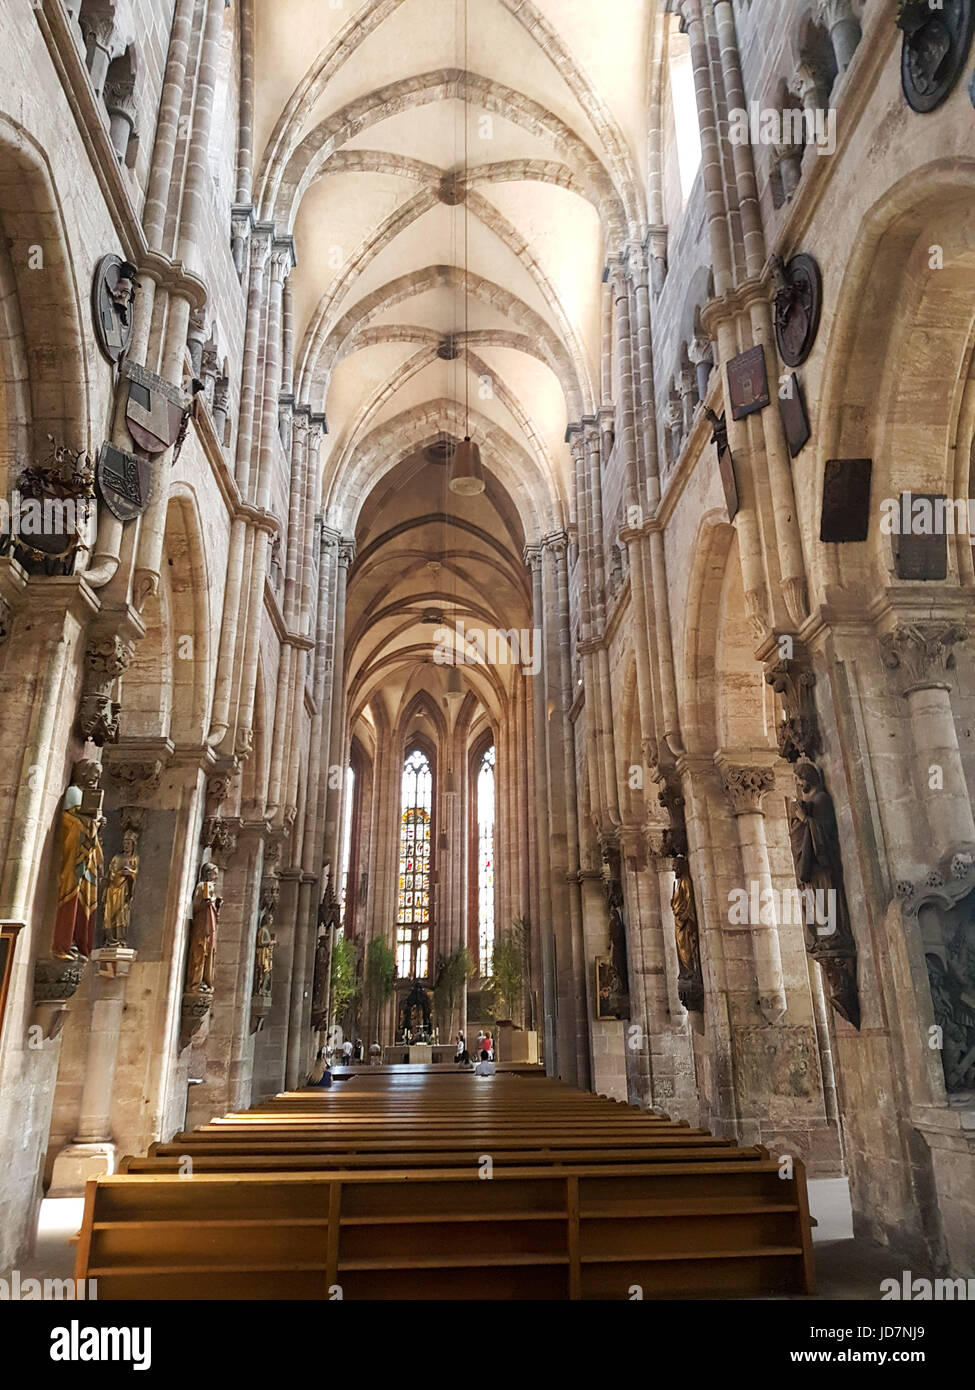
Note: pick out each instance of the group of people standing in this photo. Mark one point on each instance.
(483, 1048)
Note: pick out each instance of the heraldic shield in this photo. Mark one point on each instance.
(124, 482)
(154, 409)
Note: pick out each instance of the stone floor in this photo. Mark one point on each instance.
(845, 1268)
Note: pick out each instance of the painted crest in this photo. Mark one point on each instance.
(154, 409)
(111, 305)
(124, 482)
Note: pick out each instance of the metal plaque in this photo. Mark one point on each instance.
(795, 421)
(846, 500)
(748, 382)
(920, 553)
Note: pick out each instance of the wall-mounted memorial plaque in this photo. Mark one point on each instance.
(921, 543)
(795, 421)
(748, 382)
(8, 940)
(726, 467)
(846, 500)
(937, 38)
(798, 304)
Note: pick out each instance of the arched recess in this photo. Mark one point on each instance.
(897, 365)
(165, 689)
(477, 748)
(256, 769)
(698, 696)
(636, 798)
(46, 384)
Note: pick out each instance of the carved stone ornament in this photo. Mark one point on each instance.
(57, 980)
(940, 908)
(50, 511)
(220, 837)
(921, 654)
(798, 733)
(798, 305)
(140, 778)
(98, 713)
(935, 49)
(745, 788)
(112, 292)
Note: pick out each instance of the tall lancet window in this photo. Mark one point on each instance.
(347, 838)
(413, 898)
(485, 861)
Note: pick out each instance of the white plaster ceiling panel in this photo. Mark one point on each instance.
(281, 61)
(442, 309)
(337, 215)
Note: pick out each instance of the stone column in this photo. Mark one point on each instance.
(549, 963)
(920, 655)
(745, 787)
(844, 29)
(93, 1151)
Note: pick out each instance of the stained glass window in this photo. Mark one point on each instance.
(413, 888)
(485, 860)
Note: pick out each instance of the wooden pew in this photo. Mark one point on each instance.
(571, 1231)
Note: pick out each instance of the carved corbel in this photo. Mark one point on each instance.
(98, 713)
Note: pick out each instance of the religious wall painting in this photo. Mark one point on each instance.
(9, 931)
(612, 998)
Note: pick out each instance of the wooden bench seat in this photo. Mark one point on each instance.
(575, 1231)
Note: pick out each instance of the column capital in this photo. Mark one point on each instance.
(745, 786)
(533, 557)
(556, 541)
(346, 546)
(261, 238)
(921, 655)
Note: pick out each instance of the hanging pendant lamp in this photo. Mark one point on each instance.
(455, 688)
(466, 474)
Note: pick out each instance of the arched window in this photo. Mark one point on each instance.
(687, 130)
(485, 861)
(347, 837)
(413, 897)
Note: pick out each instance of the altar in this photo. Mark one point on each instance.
(417, 1054)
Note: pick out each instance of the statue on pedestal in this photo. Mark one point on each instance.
(264, 961)
(82, 862)
(690, 982)
(819, 870)
(203, 935)
(123, 870)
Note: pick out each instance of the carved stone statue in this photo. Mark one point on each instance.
(203, 935)
(319, 997)
(264, 961)
(819, 869)
(123, 870)
(690, 983)
(82, 862)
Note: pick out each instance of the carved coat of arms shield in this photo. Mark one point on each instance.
(124, 482)
(154, 410)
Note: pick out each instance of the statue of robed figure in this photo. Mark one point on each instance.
(82, 862)
(123, 870)
(203, 935)
(819, 870)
